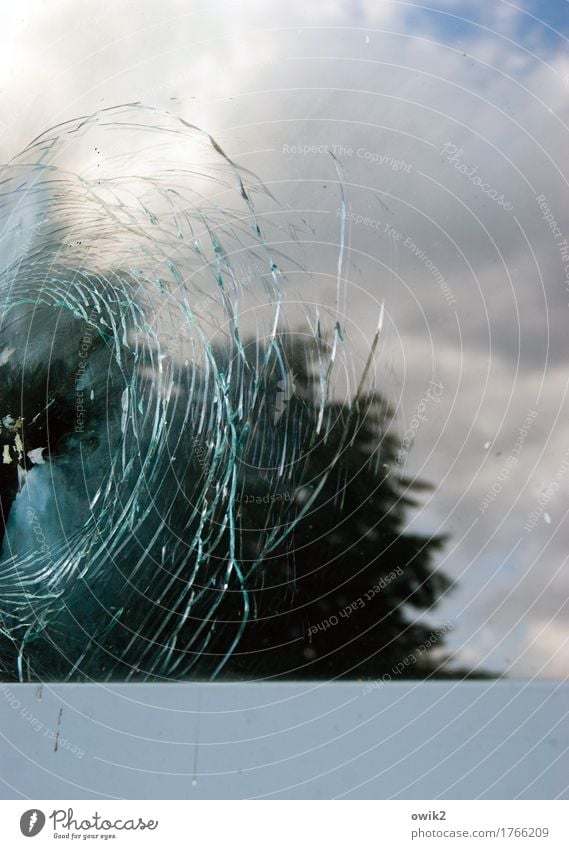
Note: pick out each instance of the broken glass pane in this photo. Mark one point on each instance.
(199, 477)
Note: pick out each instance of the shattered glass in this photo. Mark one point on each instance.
(198, 476)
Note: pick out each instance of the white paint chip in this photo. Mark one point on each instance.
(36, 456)
(5, 355)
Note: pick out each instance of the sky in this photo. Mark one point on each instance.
(448, 124)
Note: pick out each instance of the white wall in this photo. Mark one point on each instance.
(402, 740)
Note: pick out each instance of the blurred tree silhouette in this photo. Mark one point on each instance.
(334, 596)
(316, 613)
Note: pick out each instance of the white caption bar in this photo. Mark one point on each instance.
(282, 824)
